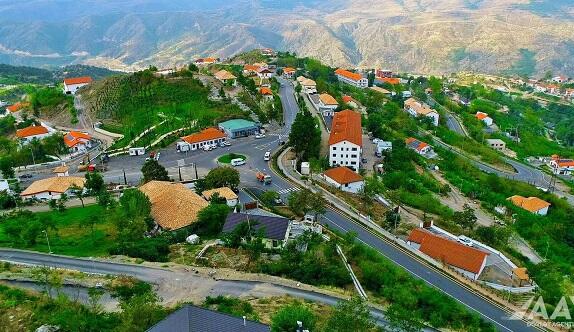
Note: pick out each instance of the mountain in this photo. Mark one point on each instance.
(23, 74)
(528, 37)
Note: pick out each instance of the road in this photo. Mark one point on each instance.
(179, 286)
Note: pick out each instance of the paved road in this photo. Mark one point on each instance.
(169, 281)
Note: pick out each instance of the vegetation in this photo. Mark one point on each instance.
(305, 136)
(219, 177)
(285, 320)
(152, 170)
(227, 158)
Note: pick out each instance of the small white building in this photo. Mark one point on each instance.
(305, 168)
(354, 79)
(264, 73)
(62, 170)
(561, 166)
(532, 204)
(417, 109)
(288, 72)
(496, 144)
(78, 141)
(226, 77)
(419, 147)
(344, 179)
(196, 141)
(346, 140)
(484, 118)
(224, 192)
(327, 104)
(52, 188)
(308, 86)
(71, 85)
(383, 146)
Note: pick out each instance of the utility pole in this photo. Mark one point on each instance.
(195, 166)
(47, 240)
(125, 178)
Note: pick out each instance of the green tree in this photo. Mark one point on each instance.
(94, 183)
(222, 177)
(210, 219)
(152, 170)
(6, 167)
(305, 136)
(132, 214)
(139, 312)
(392, 220)
(78, 192)
(305, 201)
(285, 320)
(465, 218)
(352, 315)
(94, 296)
(268, 198)
(105, 199)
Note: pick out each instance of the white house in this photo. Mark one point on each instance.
(416, 109)
(308, 86)
(62, 170)
(484, 118)
(354, 79)
(419, 147)
(288, 72)
(78, 141)
(231, 197)
(52, 188)
(560, 79)
(196, 141)
(561, 166)
(264, 73)
(346, 140)
(532, 204)
(496, 144)
(225, 77)
(327, 104)
(344, 179)
(71, 85)
(33, 132)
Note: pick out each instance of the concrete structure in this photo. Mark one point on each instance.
(264, 73)
(417, 109)
(466, 260)
(327, 104)
(305, 168)
(346, 140)
(266, 93)
(288, 72)
(484, 118)
(17, 107)
(77, 141)
(354, 79)
(344, 179)
(531, 204)
(239, 128)
(383, 146)
(196, 319)
(382, 91)
(495, 143)
(71, 85)
(173, 206)
(275, 229)
(5, 186)
(231, 197)
(196, 141)
(52, 188)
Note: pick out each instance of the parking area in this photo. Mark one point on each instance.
(369, 154)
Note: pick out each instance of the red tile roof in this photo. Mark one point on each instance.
(204, 135)
(346, 127)
(31, 131)
(390, 80)
(288, 70)
(266, 91)
(73, 138)
(348, 74)
(532, 204)
(78, 80)
(449, 251)
(347, 99)
(481, 115)
(343, 175)
(17, 107)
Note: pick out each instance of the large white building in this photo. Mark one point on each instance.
(417, 109)
(354, 79)
(346, 140)
(71, 85)
(52, 188)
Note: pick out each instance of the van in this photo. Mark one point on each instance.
(267, 156)
(237, 162)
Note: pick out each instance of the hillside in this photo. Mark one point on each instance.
(527, 37)
(24, 74)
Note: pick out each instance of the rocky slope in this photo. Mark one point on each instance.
(437, 36)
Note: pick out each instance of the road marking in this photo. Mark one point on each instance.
(289, 190)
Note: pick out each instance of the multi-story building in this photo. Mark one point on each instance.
(354, 79)
(418, 109)
(346, 140)
(71, 85)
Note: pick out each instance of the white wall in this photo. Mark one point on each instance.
(72, 88)
(353, 187)
(342, 154)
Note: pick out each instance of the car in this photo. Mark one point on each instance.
(226, 143)
(26, 176)
(267, 156)
(465, 240)
(364, 160)
(278, 201)
(207, 147)
(157, 156)
(258, 136)
(281, 143)
(222, 144)
(376, 140)
(237, 162)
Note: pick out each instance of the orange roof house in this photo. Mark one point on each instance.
(252, 68)
(328, 100)
(347, 99)
(531, 204)
(74, 138)
(266, 92)
(32, 131)
(346, 127)
(343, 175)
(449, 252)
(288, 70)
(390, 80)
(78, 80)
(17, 107)
(348, 74)
(481, 115)
(204, 135)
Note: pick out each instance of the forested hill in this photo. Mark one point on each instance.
(21, 74)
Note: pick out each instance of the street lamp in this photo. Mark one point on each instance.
(47, 240)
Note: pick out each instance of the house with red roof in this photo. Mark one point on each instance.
(464, 259)
(266, 93)
(205, 61)
(561, 166)
(27, 134)
(77, 141)
(289, 72)
(484, 118)
(346, 140)
(351, 78)
(419, 147)
(208, 136)
(345, 179)
(17, 107)
(72, 84)
(418, 109)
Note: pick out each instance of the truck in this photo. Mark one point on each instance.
(263, 178)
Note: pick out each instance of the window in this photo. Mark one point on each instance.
(334, 148)
(353, 156)
(353, 162)
(334, 155)
(275, 244)
(354, 149)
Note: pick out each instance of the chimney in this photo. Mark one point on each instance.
(244, 321)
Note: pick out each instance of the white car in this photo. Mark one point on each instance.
(258, 136)
(464, 240)
(207, 147)
(226, 143)
(376, 140)
(267, 156)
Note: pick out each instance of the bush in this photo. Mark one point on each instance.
(150, 249)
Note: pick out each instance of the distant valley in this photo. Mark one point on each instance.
(525, 37)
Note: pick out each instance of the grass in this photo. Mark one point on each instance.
(226, 158)
(72, 234)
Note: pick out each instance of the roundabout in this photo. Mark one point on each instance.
(226, 158)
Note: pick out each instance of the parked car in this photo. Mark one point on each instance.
(222, 144)
(26, 176)
(465, 240)
(207, 147)
(157, 156)
(237, 162)
(258, 136)
(267, 156)
(376, 140)
(226, 143)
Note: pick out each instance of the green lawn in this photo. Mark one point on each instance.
(226, 158)
(72, 234)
